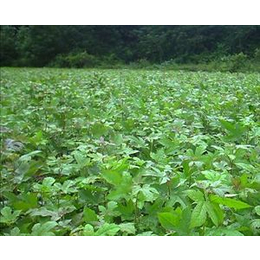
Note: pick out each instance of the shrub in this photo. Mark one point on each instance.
(76, 60)
(234, 62)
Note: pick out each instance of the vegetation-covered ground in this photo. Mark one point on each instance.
(121, 152)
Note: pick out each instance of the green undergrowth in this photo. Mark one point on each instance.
(127, 152)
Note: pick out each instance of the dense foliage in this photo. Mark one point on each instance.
(90, 46)
(92, 152)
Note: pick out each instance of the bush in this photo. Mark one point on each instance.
(75, 60)
(234, 62)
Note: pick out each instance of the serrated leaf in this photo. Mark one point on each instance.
(232, 203)
(198, 215)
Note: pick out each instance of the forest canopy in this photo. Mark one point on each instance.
(91, 46)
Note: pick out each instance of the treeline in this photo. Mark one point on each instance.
(90, 46)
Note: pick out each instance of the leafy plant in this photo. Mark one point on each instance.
(127, 153)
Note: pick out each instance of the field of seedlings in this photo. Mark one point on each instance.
(129, 152)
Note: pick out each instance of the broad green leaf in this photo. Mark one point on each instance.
(112, 177)
(168, 220)
(107, 230)
(183, 228)
(199, 215)
(195, 195)
(219, 212)
(89, 215)
(230, 232)
(123, 190)
(48, 181)
(26, 201)
(223, 232)
(15, 232)
(99, 129)
(228, 126)
(128, 228)
(232, 203)
(44, 229)
(247, 167)
(9, 216)
(88, 230)
(81, 160)
(28, 156)
(44, 213)
(212, 214)
(126, 210)
(149, 192)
